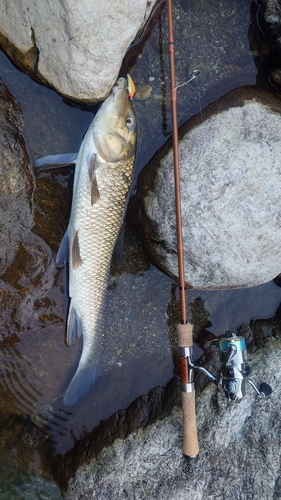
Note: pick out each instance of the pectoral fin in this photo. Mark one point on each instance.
(63, 251)
(95, 196)
(92, 166)
(54, 161)
(75, 252)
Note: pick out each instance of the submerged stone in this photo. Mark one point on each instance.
(230, 162)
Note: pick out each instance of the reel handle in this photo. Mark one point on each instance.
(265, 390)
(190, 441)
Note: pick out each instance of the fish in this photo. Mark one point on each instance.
(102, 180)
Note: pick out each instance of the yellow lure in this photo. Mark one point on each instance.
(130, 87)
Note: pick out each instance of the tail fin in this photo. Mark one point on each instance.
(81, 383)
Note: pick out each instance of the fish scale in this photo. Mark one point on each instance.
(97, 239)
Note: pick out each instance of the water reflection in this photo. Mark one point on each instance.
(13, 378)
(35, 364)
(231, 308)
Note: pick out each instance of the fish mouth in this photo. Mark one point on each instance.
(120, 84)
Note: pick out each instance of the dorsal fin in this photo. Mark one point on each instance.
(75, 252)
(92, 166)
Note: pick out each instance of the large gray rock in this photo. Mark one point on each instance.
(230, 159)
(240, 446)
(77, 47)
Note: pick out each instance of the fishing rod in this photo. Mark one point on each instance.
(235, 370)
(184, 329)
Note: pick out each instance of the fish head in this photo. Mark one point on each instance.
(115, 128)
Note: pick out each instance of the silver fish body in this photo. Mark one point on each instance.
(102, 180)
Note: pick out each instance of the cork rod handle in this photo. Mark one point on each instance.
(190, 441)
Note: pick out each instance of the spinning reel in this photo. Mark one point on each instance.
(234, 370)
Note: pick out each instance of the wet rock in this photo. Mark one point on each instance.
(26, 262)
(258, 331)
(276, 77)
(239, 449)
(143, 411)
(16, 180)
(75, 48)
(230, 170)
(26, 342)
(270, 19)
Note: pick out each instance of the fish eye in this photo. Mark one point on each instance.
(130, 122)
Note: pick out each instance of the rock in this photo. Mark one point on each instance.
(29, 346)
(16, 180)
(230, 188)
(270, 22)
(71, 46)
(143, 411)
(239, 444)
(276, 77)
(26, 261)
(270, 19)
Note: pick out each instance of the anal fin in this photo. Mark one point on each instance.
(81, 383)
(74, 325)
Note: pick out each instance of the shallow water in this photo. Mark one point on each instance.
(36, 368)
(15, 485)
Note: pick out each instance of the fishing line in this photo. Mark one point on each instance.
(201, 119)
(191, 77)
(224, 308)
(194, 58)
